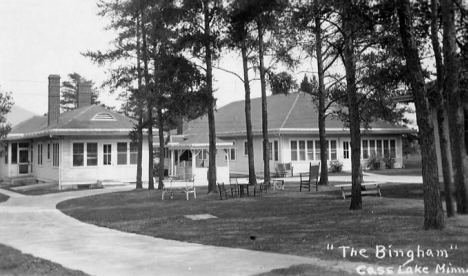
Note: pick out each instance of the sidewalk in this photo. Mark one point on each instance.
(33, 225)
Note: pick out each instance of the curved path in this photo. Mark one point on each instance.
(33, 225)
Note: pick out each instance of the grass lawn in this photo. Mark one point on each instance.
(3, 197)
(404, 172)
(287, 222)
(13, 262)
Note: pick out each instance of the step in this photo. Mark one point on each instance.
(35, 186)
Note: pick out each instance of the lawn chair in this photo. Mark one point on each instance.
(189, 187)
(310, 178)
(280, 170)
(234, 187)
(222, 190)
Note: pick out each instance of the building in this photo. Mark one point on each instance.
(293, 134)
(85, 146)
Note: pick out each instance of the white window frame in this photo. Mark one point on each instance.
(55, 155)
(383, 142)
(315, 149)
(230, 152)
(40, 154)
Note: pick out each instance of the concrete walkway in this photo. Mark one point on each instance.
(33, 225)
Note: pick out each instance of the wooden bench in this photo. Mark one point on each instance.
(371, 188)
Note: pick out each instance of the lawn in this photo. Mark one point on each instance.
(13, 262)
(287, 222)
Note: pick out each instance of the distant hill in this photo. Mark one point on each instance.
(18, 115)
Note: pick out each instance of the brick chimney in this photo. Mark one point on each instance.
(54, 99)
(84, 94)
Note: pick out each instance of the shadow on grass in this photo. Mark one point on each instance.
(287, 222)
(3, 197)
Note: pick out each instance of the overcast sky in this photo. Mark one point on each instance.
(43, 37)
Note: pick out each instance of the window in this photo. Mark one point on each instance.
(345, 150)
(274, 148)
(78, 154)
(333, 155)
(302, 155)
(48, 151)
(365, 149)
(91, 154)
(371, 147)
(294, 150)
(121, 153)
(317, 150)
(6, 154)
(231, 153)
(14, 153)
(55, 154)
(134, 153)
(39, 154)
(107, 154)
(310, 150)
(379, 148)
(246, 148)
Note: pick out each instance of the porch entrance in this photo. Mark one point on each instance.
(23, 164)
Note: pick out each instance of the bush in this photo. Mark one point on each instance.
(389, 162)
(335, 166)
(373, 163)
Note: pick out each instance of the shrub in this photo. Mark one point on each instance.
(389, 162)
(335, 166)
(373, 163)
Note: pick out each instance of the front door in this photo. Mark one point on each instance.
(23, 164)
(346, 154)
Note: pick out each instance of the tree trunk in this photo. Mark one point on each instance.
(456, 118)
(353, 106)
(211, 108)
(150, 146)
(439, 104)
(433, 213)
(139, 182)
(149, 106)
(321, 98)
(266, 142)
(248, 122)
(161, 145)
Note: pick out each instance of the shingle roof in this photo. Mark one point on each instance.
(76, 122)
(292, 113)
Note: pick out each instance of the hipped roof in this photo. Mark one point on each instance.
(76, 122)
(292, 113)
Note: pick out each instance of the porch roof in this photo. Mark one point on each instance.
(198, 141)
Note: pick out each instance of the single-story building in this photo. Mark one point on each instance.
(83, 146)
(294, 134)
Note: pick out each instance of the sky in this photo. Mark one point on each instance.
(44, 37)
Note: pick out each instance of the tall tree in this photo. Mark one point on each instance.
(456, 114)
(349, 32)
(438, 101)
(204, 21)
(69, 90)
(239, 35)
(433, 213)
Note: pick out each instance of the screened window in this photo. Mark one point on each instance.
(6, 154)
(392, 149)
(14, 153)
(333, 155)
(302, 151)
(274, 150)
(294, 151)
(346, 150)
(48, 151)
(107, 154)
(39, 154)
(133, 153)
(246, 148)
(55, 155)
(91, 154)
(121, 153)
(317, 150)
(78, 154)
(365, 149)
(310, 150)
